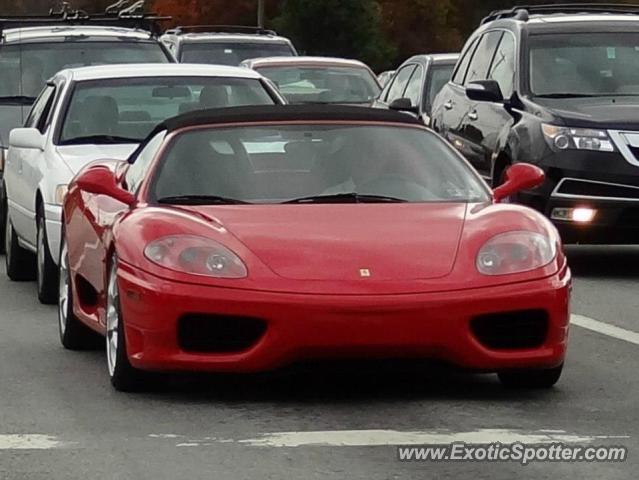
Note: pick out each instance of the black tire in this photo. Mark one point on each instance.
(47, 270)
(74, 335)
(3, 215)
(20, 263)
(531, 379)
(124, 377)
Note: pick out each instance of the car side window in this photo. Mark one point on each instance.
(483, 57)
(503, 68)
(399, 84)
(414, 87)
(462, 66)
(135, 173)
(40, 109)
(47, 117)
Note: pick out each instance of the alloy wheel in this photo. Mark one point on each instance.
(40, 253)
(63, 302)
(112, 320)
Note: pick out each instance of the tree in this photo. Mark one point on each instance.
(421, 26)
(343, 28)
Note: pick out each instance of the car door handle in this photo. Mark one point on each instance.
(473, 115)
(449, 105)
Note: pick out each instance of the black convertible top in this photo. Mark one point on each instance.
(277, 113)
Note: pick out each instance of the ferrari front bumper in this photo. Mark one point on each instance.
(302, 327)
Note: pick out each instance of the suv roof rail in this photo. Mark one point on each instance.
(221, 29)
(120, 14)
(522, 12)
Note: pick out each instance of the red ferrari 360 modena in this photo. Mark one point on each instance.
(247, 239)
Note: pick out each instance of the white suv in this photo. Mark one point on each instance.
(93, 113)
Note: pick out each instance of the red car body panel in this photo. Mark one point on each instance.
(305, 280)
(303, 326)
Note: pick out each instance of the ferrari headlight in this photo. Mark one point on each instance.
(60, 192)
(195, 255)
(566, 138)
(515, 252)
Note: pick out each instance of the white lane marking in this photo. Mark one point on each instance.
(605, 329)
(29, 442)
(371, 438)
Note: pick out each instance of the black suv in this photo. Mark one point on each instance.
(556, 86)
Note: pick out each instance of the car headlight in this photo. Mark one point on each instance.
(515, 252)
(195, 255)
(60, 192)
(567, 138)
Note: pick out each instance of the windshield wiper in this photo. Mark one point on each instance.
(99, 139)
(201, 200)
(18, 99)
(347, 198)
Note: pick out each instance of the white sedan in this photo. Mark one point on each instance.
(92, 113)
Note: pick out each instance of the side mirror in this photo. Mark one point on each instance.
(404, 105)
(100, 180)
(485, 91)
(26, 138)
(521, 176)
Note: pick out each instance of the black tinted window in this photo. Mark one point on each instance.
(478, 69)
(414, 88)
(399, 83)
(462, 66)
(503, 69)
(41, 107)
(439, 76)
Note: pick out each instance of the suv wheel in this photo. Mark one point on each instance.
(19, 262)
(47, 271)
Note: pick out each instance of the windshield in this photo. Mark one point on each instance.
(25, 68)
(584, 64)
(314, 163)
(439, 76)
(127, 109)
(231, 53)
(323, 84)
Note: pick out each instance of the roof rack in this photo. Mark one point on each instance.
(119, 14)
(522, 12)
(220, 29)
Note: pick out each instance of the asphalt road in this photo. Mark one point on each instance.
(60, 419)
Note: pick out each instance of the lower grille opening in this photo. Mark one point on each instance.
(511, 330)
(594, 189)
(219, 333)
(87, 295)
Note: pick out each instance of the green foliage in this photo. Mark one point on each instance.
(344, 28)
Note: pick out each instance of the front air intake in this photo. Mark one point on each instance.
(511, 330)
(219, 333)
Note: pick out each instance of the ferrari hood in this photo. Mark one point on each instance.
(343, 242)
(77, 156)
